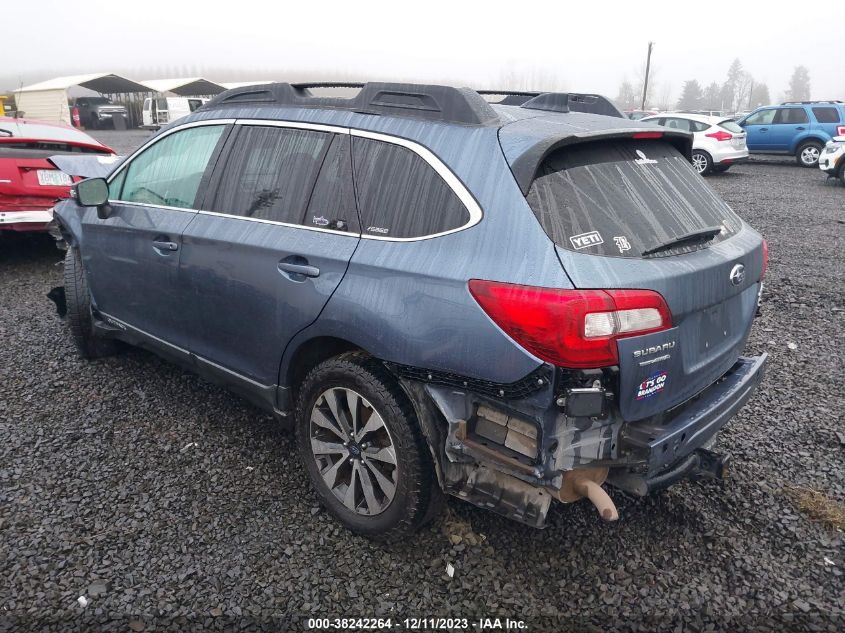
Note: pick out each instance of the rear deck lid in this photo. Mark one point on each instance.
(632, 213)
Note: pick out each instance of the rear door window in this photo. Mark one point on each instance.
(791, 116)
(826, 115)
(332, 204)
(625, 198)
(400, 194)
(269, 173)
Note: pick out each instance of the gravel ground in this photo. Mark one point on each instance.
(170, 503)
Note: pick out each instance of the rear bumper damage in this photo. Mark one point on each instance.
(25, 220)
(563, 437)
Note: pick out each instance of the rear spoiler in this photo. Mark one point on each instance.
(525, 166)
(85, 166)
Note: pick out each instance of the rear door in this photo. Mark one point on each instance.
(273, 243)
(618, 212)
(789, 124)
(132, 258)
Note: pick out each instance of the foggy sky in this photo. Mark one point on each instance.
(590, 47)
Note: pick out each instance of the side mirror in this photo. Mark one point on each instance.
(93, 192)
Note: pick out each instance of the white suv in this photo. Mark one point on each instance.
(832, 158)
(718, 142)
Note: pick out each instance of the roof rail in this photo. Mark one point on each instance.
(809, 102)
(431, 102)
(557, 101)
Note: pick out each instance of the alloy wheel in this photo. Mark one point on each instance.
(354, 451)
(699, 163)
(810, 155)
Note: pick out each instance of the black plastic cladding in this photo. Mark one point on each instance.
(436, 103)
(518, 390)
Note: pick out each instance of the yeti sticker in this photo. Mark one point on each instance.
(586, 239)
(652, 385)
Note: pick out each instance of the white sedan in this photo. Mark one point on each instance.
(717, 142)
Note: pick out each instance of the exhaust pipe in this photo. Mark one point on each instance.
(586, 482)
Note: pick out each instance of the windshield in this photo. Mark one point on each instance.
(624, 198)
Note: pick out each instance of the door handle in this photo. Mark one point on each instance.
(299, 269)
(800, 127)
(165, 246)
(764, 129)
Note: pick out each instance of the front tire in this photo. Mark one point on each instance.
(701, 162)
(808, 154)
(79, 315)
(360, 442)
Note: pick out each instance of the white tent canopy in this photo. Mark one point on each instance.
(240, 84)
(47, 100)
(184, 87)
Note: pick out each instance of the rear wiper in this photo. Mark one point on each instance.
(701, 235)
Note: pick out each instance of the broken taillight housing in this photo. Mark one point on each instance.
(571, 328)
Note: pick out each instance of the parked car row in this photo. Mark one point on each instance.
(802, 129)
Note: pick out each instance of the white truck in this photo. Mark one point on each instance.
(159, 111)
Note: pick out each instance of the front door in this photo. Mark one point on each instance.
(758, 127)
(131, 259)
(261, 263)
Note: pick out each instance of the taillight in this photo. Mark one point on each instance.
(840, 130)
(720, 135)
(765, 258)
(571, 328)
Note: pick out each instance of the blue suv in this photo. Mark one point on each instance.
(797, 128)
(512, 303)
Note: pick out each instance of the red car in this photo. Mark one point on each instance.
(29, 183)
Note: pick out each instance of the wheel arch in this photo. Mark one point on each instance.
(307, 354)
(807, 138)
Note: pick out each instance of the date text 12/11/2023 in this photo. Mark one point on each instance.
(417, 624)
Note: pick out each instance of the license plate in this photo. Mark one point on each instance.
(53, 178)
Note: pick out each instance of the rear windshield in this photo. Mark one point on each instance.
(730, 126)
(627, 198)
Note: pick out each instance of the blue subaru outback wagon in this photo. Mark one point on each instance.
(514, 303)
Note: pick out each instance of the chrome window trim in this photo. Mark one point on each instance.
(449, 177)
(453, 182)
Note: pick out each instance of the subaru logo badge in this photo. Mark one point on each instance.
(737, 275)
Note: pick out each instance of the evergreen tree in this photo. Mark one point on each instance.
(692, 96)
(799, 85)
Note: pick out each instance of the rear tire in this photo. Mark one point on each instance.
(79, 315)
(842, 170)
(379, 483)
(701, 162)
(808, 154)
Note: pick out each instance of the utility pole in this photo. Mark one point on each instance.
(647, 69)
(750, 94)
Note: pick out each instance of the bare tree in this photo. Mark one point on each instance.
(760, 95)
(713, 97)
(627, 98)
